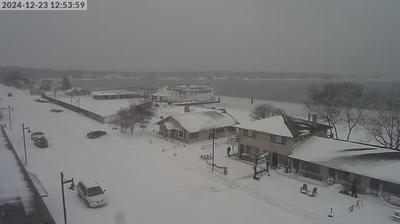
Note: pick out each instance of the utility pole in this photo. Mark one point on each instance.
(72, 187)
(23, 136)
(9, 115)
(213, 150)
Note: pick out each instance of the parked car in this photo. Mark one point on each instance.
(41, 142)
(37, 134)
(41, 100)
(92, 194)
(9, 94)
(56, 110)
(95, 134)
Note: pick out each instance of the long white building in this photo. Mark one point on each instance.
(185, 94)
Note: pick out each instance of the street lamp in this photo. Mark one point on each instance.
(213, 151)
(23, 136)
(9, 108)
(9, 115)
(71, 187)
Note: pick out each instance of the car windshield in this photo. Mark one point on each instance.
(93, 191)
(37, 133)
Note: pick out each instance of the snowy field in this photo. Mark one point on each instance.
(152, 180)
(101, 107)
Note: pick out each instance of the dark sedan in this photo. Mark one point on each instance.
(95, 134)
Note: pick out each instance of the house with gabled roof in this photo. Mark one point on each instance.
(304, 148)
(277, 135)
(195, 126)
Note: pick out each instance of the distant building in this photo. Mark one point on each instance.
(196, 126)
(115, 94)
(185, 94)
(77, 92)
(35, 91)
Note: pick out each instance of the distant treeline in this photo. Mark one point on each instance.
(37, 73)
(15, 79)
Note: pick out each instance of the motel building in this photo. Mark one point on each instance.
(303, 147)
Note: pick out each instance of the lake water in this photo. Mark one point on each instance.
(290, 90)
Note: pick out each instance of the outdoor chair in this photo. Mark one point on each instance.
(304, 189)
(313, 193)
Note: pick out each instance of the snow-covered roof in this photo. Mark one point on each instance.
(171, 126)
(19, 198)
(372, 161)
(112, 92)
(204, 120)
(272, 125)
(284, 125)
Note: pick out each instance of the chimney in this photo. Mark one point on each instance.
(314, 120)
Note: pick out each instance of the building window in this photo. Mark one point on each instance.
(278, 139)
(180, 134)
(193, 135)
(232, 129)
(251, 150)
(248, 149)
(310, 167)
(220, 130)
(249, 133)
(241, 149)
(349, 177)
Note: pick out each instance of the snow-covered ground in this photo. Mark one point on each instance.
(13, 186)
(151, 180)
(101, 107)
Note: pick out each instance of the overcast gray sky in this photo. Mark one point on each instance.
(327, 36)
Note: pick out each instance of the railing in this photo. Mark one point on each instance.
(228, 141)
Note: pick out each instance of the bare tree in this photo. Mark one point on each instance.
(128, 117)
(384, 123)
(265, 110)
(65, 83)
(323, 102)
(351, 102)
(338, 102)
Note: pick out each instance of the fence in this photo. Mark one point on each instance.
(74, 108)
(227, 141)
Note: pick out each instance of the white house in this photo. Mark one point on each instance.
(196, 126)
(185, 93)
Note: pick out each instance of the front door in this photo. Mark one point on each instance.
(374, 186)
(274, 160)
